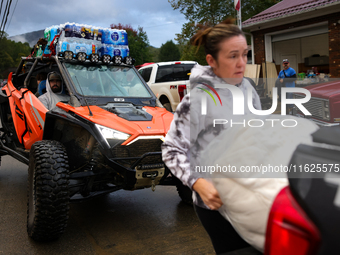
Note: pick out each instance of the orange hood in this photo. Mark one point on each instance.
(159, 125)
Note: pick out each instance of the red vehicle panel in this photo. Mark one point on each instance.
(324, 104)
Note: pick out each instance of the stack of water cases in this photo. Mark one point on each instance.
(88, 39)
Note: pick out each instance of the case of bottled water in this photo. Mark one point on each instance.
(115, 37)
(89, 39)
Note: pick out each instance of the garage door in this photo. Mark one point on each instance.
(297, 50)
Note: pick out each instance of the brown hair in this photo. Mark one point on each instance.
(211, 37)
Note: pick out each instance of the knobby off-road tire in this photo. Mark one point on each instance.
(184, 193)
(48, 196)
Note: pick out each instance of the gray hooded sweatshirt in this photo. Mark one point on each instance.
(191, 131)
(50, 99)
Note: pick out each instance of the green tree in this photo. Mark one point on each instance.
(154, 52)
(192, 53)
(210, 12)
(138, 43)
(169, 52)
(11, 53)
(18, 59)
(6, 61)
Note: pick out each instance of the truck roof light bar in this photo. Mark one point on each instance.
(68, 55)
(106, 59)
(129, 60)
(94, 58)
(81, 56)
(117, 60)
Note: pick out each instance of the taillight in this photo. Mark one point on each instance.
(289, 230)
(182, 90)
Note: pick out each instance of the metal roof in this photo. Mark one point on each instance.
(286, 7)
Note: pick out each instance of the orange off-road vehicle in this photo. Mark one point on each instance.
(107, 137)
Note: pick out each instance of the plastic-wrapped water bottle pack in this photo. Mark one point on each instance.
(88, 39)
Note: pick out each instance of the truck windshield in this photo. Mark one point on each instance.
(106, 81)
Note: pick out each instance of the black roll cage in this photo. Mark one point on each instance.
(77, 99)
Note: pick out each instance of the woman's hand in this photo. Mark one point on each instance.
(208, 193)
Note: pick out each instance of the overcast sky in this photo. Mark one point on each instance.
(157, 17)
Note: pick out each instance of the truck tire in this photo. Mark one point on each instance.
(184, 193)
(47, 191)
(167, 106)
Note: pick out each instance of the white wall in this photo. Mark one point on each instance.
(301, 47)
(288, 47)
(317, 44)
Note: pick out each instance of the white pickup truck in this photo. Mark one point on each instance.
(169, 81)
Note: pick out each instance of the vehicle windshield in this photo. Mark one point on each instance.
(106, 81)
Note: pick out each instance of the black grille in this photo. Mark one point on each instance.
(138, 149)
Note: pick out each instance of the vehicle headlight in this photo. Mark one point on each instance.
(327, 115)
(129, 60)
(117, 60)
(106, 59)
(68, 55)
(326, 110)
(94, 58)
(81, 56)
(326, 103)
(112, 137)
